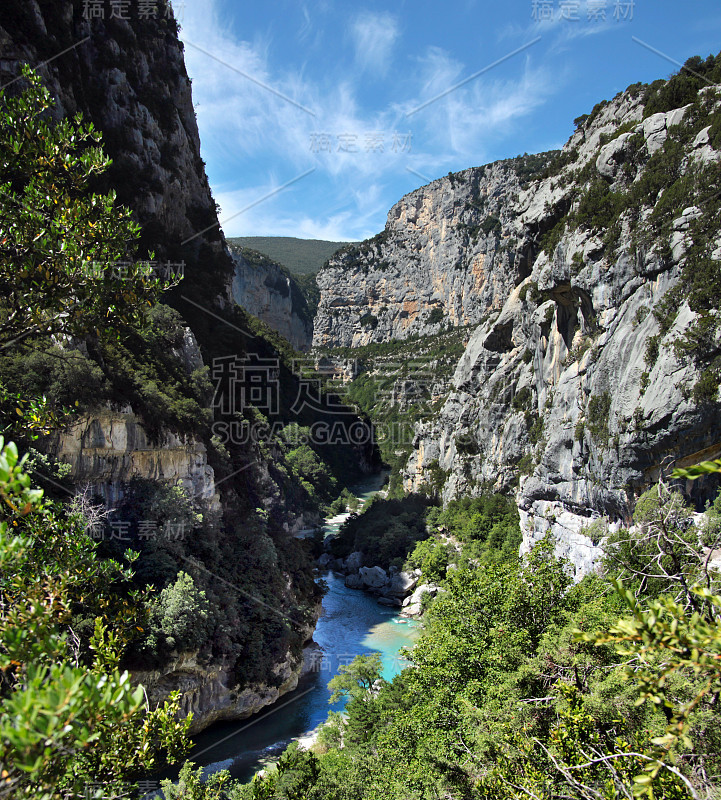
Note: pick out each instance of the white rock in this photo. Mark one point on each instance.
(402, 583)
(354, 561)
(611, 156)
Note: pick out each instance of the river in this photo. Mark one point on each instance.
(352, 623)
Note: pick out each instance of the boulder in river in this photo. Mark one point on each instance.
(354, 561)
(401, 584)
(412, 610)
(373, 577)
(390, 601)
(354, 581)
(325, 560)
(426, 588)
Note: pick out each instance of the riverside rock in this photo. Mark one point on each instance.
(402, 584)
(373, 577)
(354, 562)
(426, 588)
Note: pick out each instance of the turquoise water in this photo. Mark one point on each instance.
(352, 623)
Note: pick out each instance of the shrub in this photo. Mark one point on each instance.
(599, 408)
(436, 315)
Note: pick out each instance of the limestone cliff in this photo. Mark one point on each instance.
(447, 256)
(108, 449)
(581, 384)
(266, 290)
(127, 77)
(575, 384)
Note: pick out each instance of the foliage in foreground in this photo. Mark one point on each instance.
(69, 719)
(525, 685)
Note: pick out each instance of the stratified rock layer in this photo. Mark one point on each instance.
(442, 259)
(265, 290)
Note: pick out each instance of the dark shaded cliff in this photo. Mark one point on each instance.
(174, 406)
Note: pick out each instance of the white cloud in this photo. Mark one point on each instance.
(374, 35)
(467, 119)
(580, 18)
(255, 137)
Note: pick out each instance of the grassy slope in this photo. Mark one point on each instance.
(300, 256)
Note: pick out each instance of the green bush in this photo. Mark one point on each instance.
(435, 316)
(369, 321)
(431, 557)
(599, 407)
(181, 615)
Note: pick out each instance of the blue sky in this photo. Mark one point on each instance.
(316, 117)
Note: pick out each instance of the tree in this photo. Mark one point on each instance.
(663, 641)
(61, 244)
(182, 612)
(665, 552)
(66, 257)
(355, 680)
(69, 719)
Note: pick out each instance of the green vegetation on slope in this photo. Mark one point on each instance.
(299, 256)
(525, 685)
(233, 586)
(399, 383)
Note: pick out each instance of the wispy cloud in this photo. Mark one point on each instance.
(256, 137)
(579, 20)
(374, 35)
(470, 118)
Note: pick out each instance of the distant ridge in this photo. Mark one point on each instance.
(300, 256)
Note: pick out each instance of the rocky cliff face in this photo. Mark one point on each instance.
(575, 386)
(209, 693)
(267, 291)
(108, 449)
(127, 77)
(573, 391)
(446, 257)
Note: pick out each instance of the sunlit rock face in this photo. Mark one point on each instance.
(441, 260)
(569, 393)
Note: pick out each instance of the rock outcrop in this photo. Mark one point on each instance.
(209, 692)
(572, 391)
(446, 257)
(574, 385)
(269, 292)
(108, 449)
